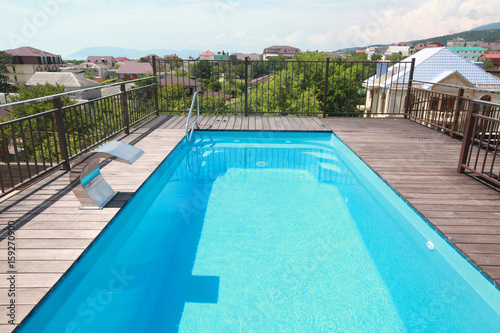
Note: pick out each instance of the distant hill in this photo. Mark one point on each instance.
(129, 53)
(491, 26)
(484, 35)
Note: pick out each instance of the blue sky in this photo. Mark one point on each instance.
(66, 26)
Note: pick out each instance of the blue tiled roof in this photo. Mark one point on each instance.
(430, 63)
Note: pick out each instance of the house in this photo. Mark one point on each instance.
(336, 54)
(98, 70)
(70, 81)
(273, 51)
(122, 59)
(261, 80)
(494, 50)
(193, 85)
(109, 61)
(26, 61)
(470, 53)
(217, 94)
(150, 57)
(422, 46)
(484, 45)
(397, 49)
(495, 59)
(207, 55)
(242, 56)
(388, 87)
(133, 70)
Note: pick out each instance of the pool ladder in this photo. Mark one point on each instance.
(189, 132)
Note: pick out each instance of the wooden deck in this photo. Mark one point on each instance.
(418, 162)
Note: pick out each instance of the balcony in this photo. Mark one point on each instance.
(424, 164)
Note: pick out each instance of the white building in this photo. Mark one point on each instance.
(469, 53)
(386, 91)
(70, 81)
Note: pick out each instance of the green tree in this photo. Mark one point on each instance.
(89, 75)
(396, 57)
(376, 57)
(5, 87)
(143, 59)
(487, 64)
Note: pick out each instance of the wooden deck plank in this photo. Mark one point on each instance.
(286, 123)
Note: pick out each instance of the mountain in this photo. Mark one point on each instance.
(484, 35)
(129, 53)
(491, 26)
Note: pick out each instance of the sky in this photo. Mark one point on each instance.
(67, 26)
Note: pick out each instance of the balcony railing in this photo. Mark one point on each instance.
(33, 146)
(308, 88)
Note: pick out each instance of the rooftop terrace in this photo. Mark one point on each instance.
(419, 162)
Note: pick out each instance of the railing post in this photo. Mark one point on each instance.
(456, 112)
(246, 86)
(408, 92)
(468, 137)
(61, 133)
(156, 87)
(326, 86)
(125, 117)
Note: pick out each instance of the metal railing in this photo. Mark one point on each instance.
(444, 108)
(195, 97)
(35, 145)
(481, 144)
(298, 88)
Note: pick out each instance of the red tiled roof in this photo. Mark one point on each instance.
(492, 56)
(216, 94)
(207, 53)
(180, 79)
(27, 51)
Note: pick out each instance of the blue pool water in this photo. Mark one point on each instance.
(268, 232)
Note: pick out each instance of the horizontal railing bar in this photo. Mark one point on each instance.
(457, 87)
(50, 97)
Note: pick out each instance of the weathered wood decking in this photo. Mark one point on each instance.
(418, 162)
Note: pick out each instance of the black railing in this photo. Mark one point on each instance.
(307, 88)
(40, 143)
(481, 144)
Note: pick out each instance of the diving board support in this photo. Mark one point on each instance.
(85, 177)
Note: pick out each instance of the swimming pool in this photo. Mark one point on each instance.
(267, 232)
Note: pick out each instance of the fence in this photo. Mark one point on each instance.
(308, 88)
(34, 145)
(481, 142)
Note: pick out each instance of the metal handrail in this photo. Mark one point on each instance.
(195, 96)
(50, 97)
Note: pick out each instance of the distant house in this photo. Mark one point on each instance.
(242, 56)
(422, 46)
(122, 59)
(99, 70)
(207, 55)
(133, 70)
(70, 81)
(26, 61)
(484, 45)
(192, 84)
(469, 53)
(217, 94)
(388, 87)
(261, 80)
(336, 55)
(150, 57)
(273, 51)
(109, 61)
(397, 49)
(494, 50)
(495, 59)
